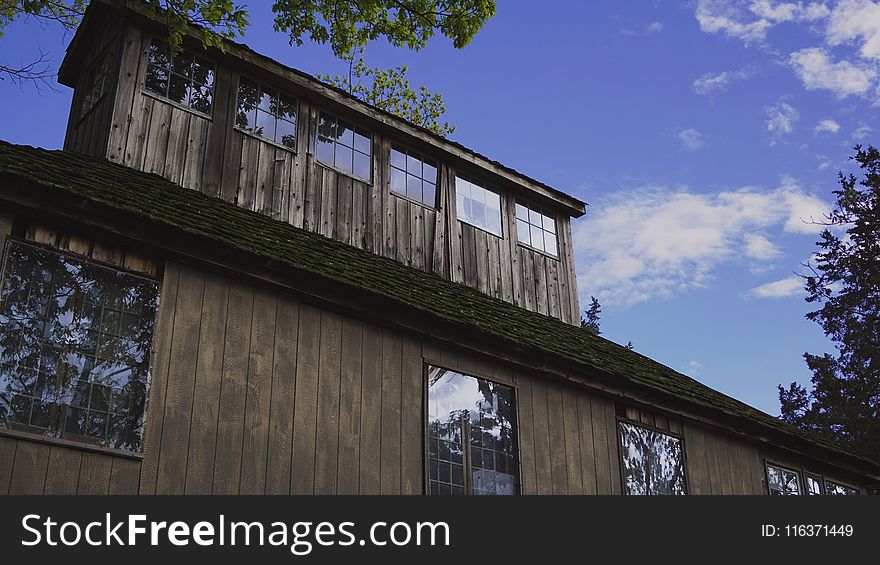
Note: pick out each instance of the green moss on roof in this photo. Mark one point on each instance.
(170, 207)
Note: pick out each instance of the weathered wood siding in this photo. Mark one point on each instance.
(253, 391)
(89, 132)
(209, 155)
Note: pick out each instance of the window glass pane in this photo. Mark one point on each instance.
(414, 165)
(267, 102)
(344, 158)
(245, 117)
(414, 187)
(837, 489)
(429, 194)
(157, 80)
(550, 244)
(182, 64)
(201, 98)
(535, 218)
(398, 181)
(548, 223)
(782, 481)
(287, 108)
(178, 90)
(74, 346)
(158, 55)
(652, 461)
(398, 159)
(362, 166)
(814, 487)
(537, 236)
(285, 133)
(362, 141)
(203, 72)
(475, 416)
(344, 133)
(327, 127)
(522, 232)
(265, 125)
(522, 213)
(324, 150)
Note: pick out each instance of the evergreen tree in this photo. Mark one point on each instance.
(843, 403)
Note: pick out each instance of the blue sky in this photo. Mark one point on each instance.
(702, 133)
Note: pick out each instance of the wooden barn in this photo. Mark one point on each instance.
(237, 279)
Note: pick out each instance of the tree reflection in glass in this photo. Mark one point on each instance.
(75, 343)
(652, 461)
(472, 440)
(782, 481)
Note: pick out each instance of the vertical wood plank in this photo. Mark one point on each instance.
(371, 412)
(124, 476)
(558, 457)
(601, 445)
(573, 434)
(540, 420)
(126, 92)
(412, 417)
(219, 146)
(588, 455)
(283, 398)
(207, 388)
(327, 435)
(177, 417)
(233, 390)
(697, 462)
(526, 434)
(255, 445)
(390, 463)
(158, 378)
(29, 469)
(7, 460)
(302, 478)
(348, 475)
(613, 451)
(94, 474)
(62, 475)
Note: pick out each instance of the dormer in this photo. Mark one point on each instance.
(242, 127)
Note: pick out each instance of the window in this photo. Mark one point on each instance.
(266, 112)
(74, 348)
(185, 79)
(782, 481)
(100, 77)
(478, 206)
(652, 461)
(837, 489)
(536, 228)
(345, 147)
(813, 484)
(413, 176)
(472, 437)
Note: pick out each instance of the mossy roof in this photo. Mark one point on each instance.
(128, 193)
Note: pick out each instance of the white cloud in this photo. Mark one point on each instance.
(790, 286)
(862, 132)
(817, 71)
(694, 368)
(655, 243)
(750, 21)
(826, 126)
(761, 248)
(692, 139)
(856, 21)
(780, 120)
(712, 83)
(654, 27)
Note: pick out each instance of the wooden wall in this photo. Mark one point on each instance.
(89, 133)
(253, 391)
(209, 155)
